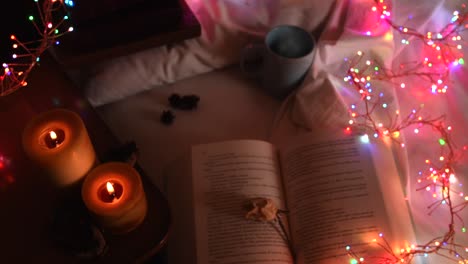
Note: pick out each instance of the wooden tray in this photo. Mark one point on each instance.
(147, 239)
(28, 202)
(70, 228)
(124, 29)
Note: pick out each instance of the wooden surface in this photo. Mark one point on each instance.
(27, 201)
(144, 24)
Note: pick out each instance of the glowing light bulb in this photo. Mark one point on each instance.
(364, 139)
(442, 142)
(452, 178)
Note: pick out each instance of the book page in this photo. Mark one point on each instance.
(335, 199)
(225, 175)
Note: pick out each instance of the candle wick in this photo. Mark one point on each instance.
(113, 196)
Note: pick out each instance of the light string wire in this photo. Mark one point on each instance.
(443, 48)
(440, 177)
(51, 24)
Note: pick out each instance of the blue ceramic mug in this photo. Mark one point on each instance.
(282, 60)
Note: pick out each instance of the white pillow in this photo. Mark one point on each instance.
(227, 26)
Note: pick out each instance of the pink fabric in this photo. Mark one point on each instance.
(320, 105)
(324, 98)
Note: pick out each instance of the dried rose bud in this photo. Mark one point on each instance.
(261, 209)
(167, 117)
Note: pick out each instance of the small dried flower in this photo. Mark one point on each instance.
(167, 117)
(185, 102)
(265, 210)
(261, 209)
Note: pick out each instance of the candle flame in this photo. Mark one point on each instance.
(53, 135)
(110, 188)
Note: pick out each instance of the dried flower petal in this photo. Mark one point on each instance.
(261, 209)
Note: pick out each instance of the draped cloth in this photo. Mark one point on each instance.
(232, 107)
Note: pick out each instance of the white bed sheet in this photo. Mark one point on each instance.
(232, 106)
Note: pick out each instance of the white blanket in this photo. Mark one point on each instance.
(231, 106)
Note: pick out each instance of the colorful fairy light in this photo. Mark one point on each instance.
(27, 53)
(443, 51)
(440, 178)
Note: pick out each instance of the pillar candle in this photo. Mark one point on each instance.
(57, 140)
(114, 194)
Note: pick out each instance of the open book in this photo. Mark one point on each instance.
(338, 192)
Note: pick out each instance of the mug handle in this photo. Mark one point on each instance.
(252, 59)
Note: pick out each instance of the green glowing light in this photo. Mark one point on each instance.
(442, 142)
(31, 18)
(464, 229)
(353, 261)
(461, 61)
(376, 68)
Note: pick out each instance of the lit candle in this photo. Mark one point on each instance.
(109, 194)
(57, 140)
(113, 193)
